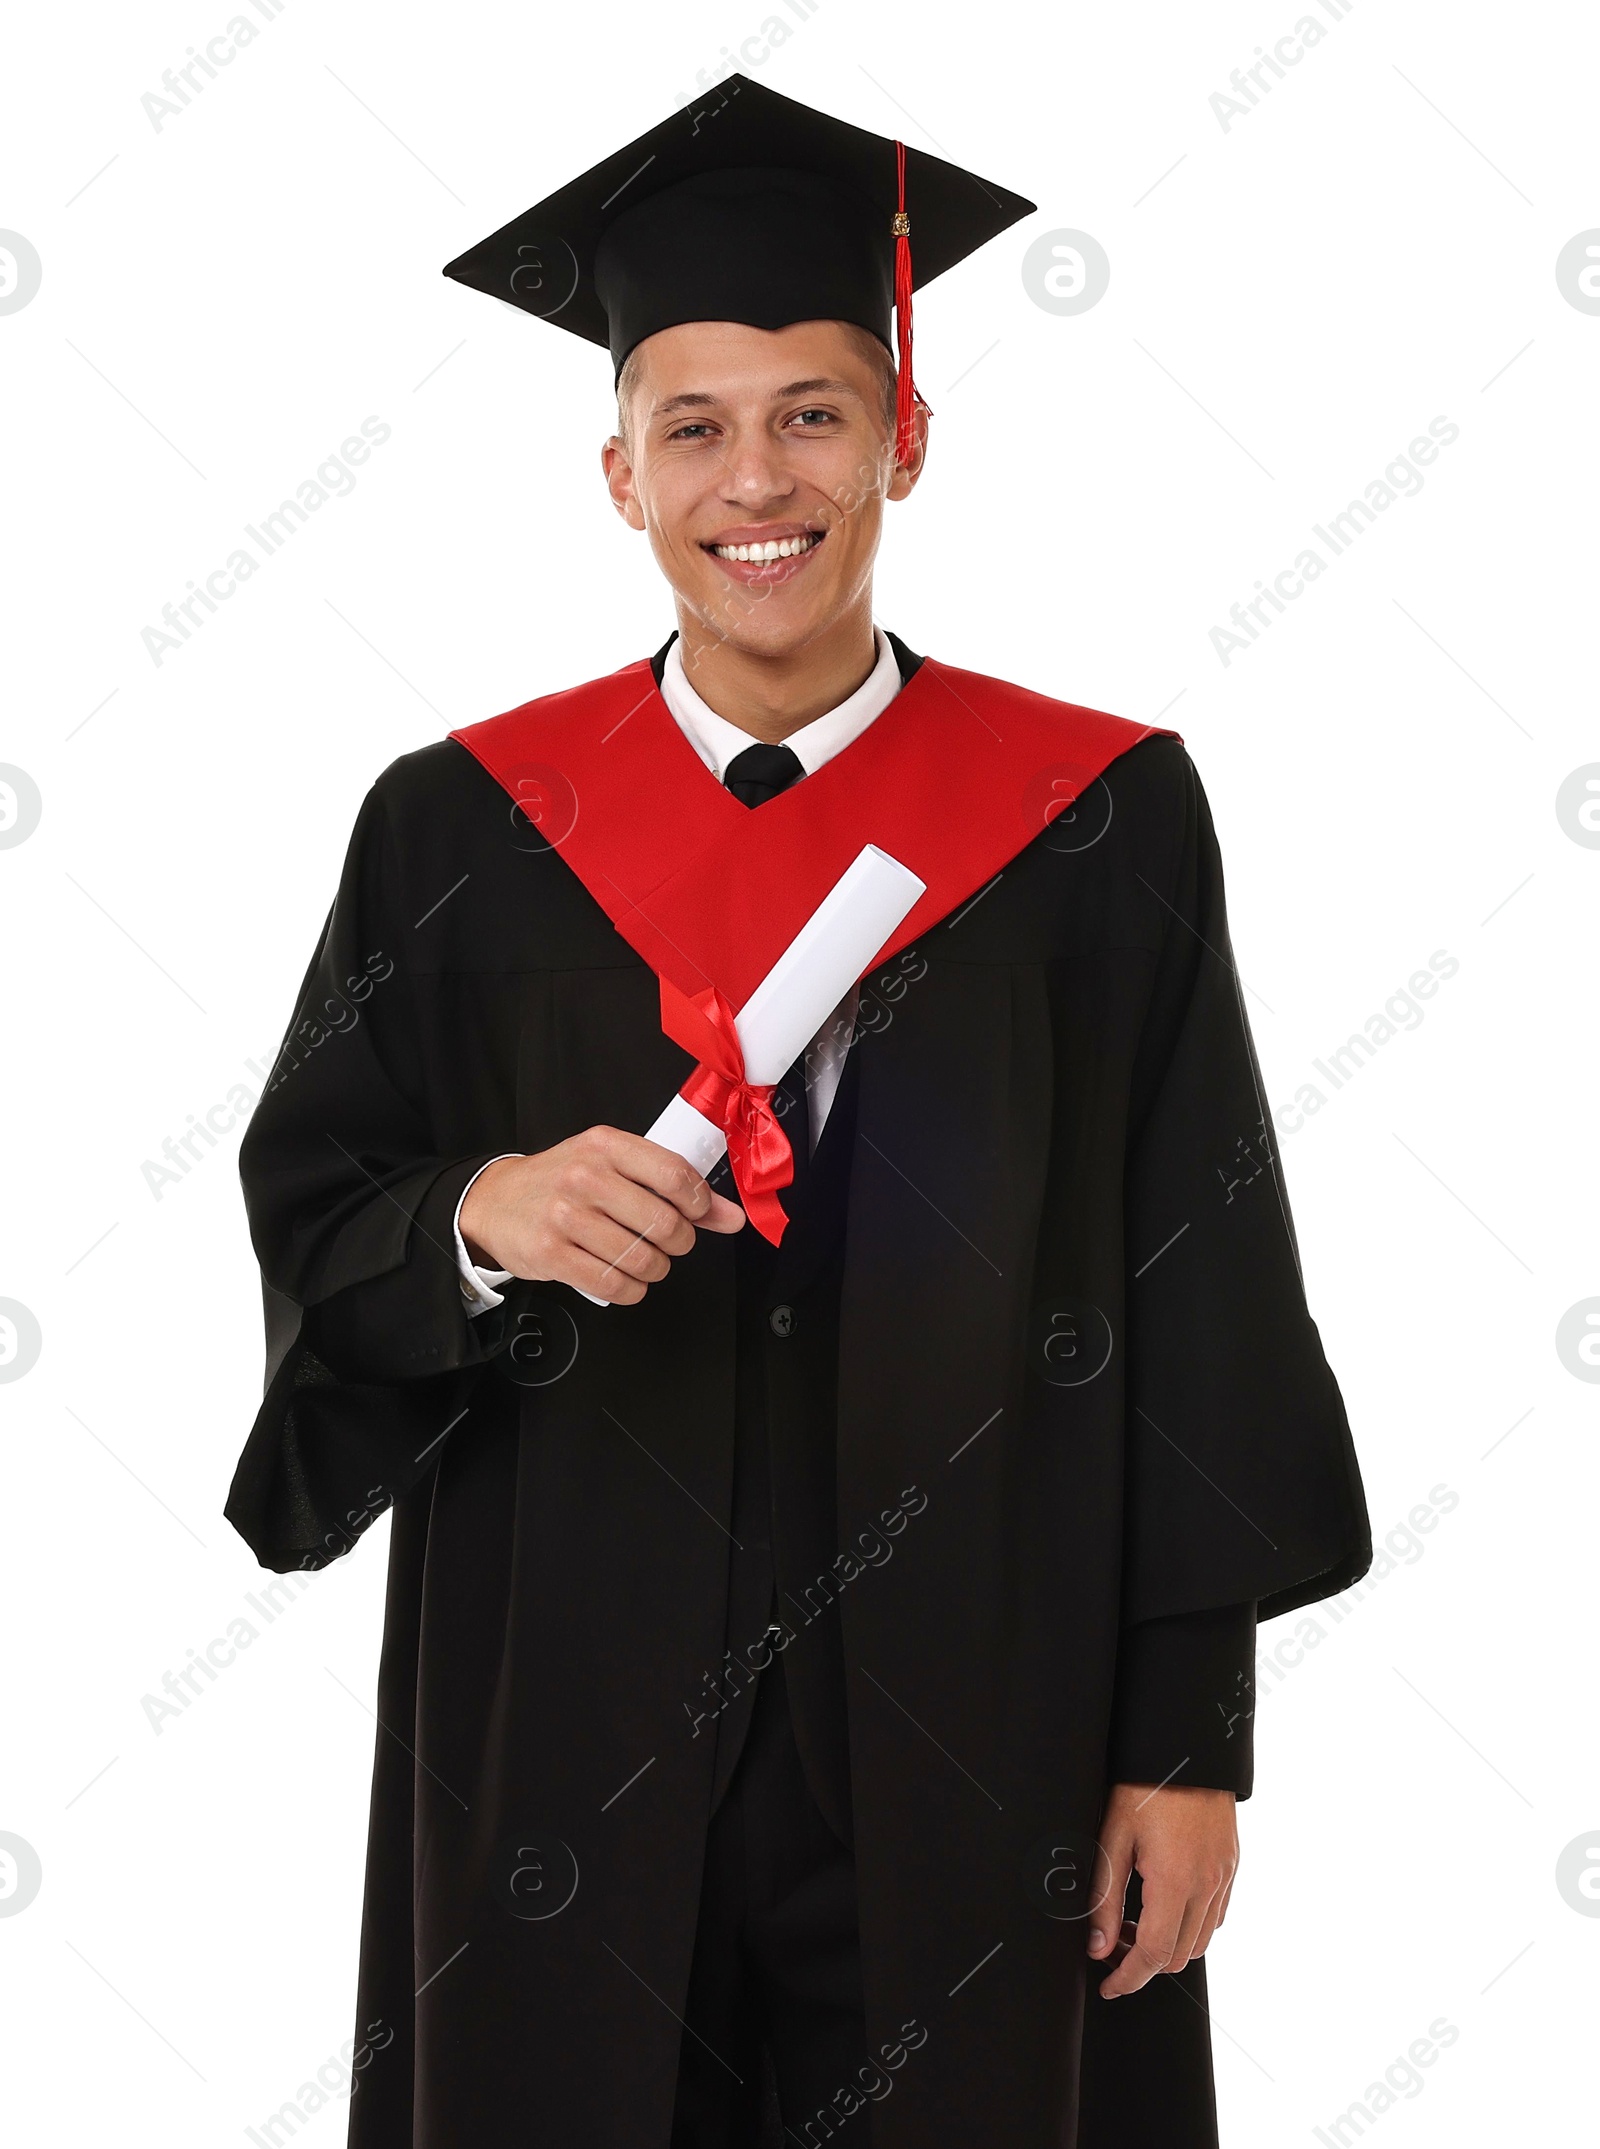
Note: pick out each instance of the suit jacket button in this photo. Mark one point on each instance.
(781, 1320)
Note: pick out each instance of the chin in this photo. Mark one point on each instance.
(772, 626)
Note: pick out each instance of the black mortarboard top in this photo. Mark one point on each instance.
(743, 206)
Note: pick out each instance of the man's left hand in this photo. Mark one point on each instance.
(1184, 1845)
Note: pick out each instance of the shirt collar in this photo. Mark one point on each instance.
(716, 741)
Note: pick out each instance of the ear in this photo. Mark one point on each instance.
(618, 468)
(906, 474)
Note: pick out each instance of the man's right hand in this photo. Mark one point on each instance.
(602, 1212)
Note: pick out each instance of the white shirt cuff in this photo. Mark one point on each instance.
(479, 1292)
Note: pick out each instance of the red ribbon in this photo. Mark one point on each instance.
(758, 1148)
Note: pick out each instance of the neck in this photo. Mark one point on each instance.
(769, 695)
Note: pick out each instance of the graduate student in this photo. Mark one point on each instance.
(816, 1680)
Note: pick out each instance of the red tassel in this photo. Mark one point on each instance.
(906, 396)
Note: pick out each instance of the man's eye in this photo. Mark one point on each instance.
(691, 431)
(824, 415)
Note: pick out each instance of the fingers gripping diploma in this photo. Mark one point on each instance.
(1184, 1845)
(606, 1212)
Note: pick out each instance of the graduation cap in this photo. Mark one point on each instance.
(743, 206)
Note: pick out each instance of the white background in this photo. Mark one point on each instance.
(1292, 300)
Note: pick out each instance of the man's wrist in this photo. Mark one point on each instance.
(480, 1283)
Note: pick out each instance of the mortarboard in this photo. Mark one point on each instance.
(743, 206)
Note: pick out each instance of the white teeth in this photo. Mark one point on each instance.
(785, 548)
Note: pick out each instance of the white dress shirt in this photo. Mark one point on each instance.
(717, 742)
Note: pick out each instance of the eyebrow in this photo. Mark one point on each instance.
(817, 387)
(696, 400)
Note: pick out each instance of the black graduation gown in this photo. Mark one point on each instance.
(1077, 1384)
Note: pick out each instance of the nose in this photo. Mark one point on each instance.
(754, 474)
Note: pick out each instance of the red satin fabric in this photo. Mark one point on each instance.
(956, 776)
(758, 1148)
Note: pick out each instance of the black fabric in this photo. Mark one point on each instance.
(776, 1975)
(743, 205)
(1184, 1709)
(751, 244)
(1076, 1390)
(1147, 2079)
(783, 1567)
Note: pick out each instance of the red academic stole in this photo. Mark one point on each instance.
(954, 778)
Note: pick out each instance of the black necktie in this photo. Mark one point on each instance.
(761, 772)
(758, 773)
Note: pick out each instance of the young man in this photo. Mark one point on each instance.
(816, 1591)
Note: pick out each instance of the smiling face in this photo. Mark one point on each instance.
(758, 462)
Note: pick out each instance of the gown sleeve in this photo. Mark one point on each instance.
(1241, 1484)
(1183, 1711)
(370, 1354)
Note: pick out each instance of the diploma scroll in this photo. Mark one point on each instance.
(798, 994)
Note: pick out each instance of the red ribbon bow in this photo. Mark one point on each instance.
(758, 1148)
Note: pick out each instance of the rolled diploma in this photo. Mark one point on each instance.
(801, 990)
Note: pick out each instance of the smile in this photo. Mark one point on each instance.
(774, 548)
